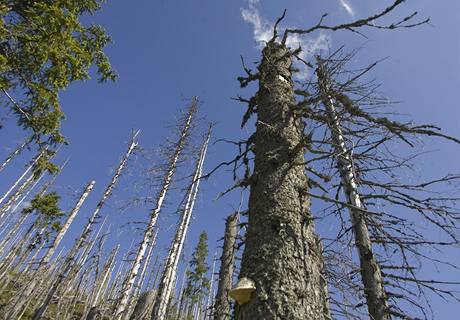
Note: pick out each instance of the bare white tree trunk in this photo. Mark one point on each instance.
(22, 217)
(45, 186)
(11, 233)
(370, 269)
(141, 277)
(46, 258)
(14, 197)
(15, 184)
(106, 276)
(79, 243)
(167, 180)
(15, 250)
(100, 284)
(169, 274)
(146, 264)
(29, 168)
(15, 152)
(108, 191)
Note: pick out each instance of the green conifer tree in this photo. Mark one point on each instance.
(48, 212)
(43, 48)
(197, 280)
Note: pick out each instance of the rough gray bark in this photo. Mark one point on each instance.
(94, 314)
(282, 254)
(369, 268)
(227, 265)
(141, 310)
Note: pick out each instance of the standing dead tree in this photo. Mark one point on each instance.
(361, 149)
(369, 268)
(173, 160)
(169, 276)
(281, 247)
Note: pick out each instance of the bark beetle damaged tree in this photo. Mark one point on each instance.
(366, 163)
(282, 254)
(369, 268)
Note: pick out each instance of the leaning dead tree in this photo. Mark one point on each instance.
(283, 259)
(126, 292)
(227, 264)
(169, 276)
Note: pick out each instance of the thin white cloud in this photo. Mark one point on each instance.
(310, 47)
(263, 32)
(262, 28)
(347, 6)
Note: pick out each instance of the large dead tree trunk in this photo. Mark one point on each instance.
(167, 180)
(165, 289)
(369, 268)
(282, 254)
(227, 265)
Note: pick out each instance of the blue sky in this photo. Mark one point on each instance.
(168, 51)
